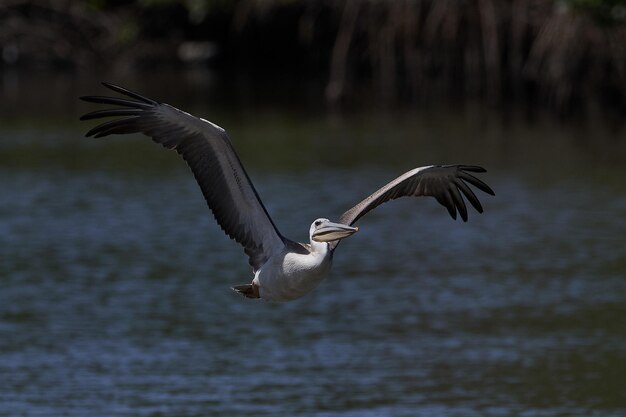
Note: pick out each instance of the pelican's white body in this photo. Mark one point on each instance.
(289, 275)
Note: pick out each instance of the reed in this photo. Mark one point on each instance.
(562, 53)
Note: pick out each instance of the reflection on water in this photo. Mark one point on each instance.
(115, 278)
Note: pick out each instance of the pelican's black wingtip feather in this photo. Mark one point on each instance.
(464, 215)
(129, 93)
(472, 168)
(117, 102)
(116, 126)
(469, 194)
(488, 190)
(110, 113)
(92, 132)
(476, 182)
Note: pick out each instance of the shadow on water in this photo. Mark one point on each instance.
(115, 278)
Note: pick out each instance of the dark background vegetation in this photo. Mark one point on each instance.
(567, 56)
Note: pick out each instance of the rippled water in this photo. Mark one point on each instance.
(115, 296)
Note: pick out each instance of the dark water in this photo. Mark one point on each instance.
(115, 280)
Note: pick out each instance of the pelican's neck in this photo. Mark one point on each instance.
(319, 248)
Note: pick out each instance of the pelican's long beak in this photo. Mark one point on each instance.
(333, 231)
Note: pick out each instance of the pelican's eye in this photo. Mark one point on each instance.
(318, 223)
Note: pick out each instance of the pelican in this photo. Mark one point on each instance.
(283, 269)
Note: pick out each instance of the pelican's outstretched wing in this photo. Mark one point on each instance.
(208, 151)
(444, 182)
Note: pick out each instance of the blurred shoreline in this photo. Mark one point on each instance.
(565, 57)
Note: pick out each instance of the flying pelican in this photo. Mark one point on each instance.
(283, 269)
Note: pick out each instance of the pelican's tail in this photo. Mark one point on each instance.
(247, 290)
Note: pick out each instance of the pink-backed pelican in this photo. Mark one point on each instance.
(283, 269)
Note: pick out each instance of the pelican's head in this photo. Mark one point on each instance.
(323, 230)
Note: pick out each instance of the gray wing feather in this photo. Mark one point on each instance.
(447, 183)
(209, 153)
